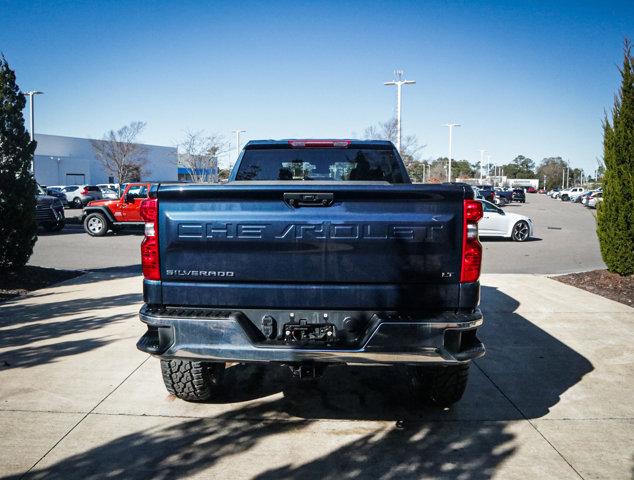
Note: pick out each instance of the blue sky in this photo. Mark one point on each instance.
(531, 78)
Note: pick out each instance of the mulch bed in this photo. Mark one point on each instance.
(604, 283)
(29, 278)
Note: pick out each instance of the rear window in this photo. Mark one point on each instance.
(93, 188)
(321, 164)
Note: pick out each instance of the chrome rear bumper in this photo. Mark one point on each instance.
(214, 336)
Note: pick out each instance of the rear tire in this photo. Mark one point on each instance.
(96, 225)
(192, 381)
(77, 202)
(440, 386)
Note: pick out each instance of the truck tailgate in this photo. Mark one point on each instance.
(243, 243)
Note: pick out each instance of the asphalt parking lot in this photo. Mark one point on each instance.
(565, 241)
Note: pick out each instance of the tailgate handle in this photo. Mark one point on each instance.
(297, 200)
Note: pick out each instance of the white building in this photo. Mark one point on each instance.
(71, 161)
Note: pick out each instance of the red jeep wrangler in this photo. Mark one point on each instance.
(99, 216)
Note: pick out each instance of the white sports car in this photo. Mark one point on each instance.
(498, 223)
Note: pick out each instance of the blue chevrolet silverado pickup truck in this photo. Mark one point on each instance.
(316, 252)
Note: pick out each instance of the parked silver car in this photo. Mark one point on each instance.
(79, 195)
(109, 194)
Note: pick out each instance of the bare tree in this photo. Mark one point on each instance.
(387, 131)
(120, 154)
(438, 170)
(198, 155)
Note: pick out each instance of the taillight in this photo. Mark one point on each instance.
(84, 192)
(319, 143)
(149, 245)
(149, 210)
(471, 247)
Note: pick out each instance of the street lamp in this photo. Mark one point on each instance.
(238, 132)
(31, 94)
(399, 82)
(450, 125)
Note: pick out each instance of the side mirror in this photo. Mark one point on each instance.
(129, 198)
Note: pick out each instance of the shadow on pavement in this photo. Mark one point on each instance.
(110, 273)
(530, 367)
(41, 338)
(16, 312)
(411, 450)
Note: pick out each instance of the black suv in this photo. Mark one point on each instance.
(519, 195)
(49, 211)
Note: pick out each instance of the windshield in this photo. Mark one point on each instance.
(489, 207)
(321, 164)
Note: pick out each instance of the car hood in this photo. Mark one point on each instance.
(101, 203)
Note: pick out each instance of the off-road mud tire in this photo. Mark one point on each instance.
(192, 381)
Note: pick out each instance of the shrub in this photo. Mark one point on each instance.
(615, 225)
(18, 229)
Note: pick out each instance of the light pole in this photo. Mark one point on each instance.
(399, 82)
(426, 171)
(450, 125)
(238, 132)
(481, 163)
(31, 94)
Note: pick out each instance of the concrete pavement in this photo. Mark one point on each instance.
(552, 398)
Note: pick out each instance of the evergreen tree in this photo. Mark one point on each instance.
(18, 230)
(615, 216)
